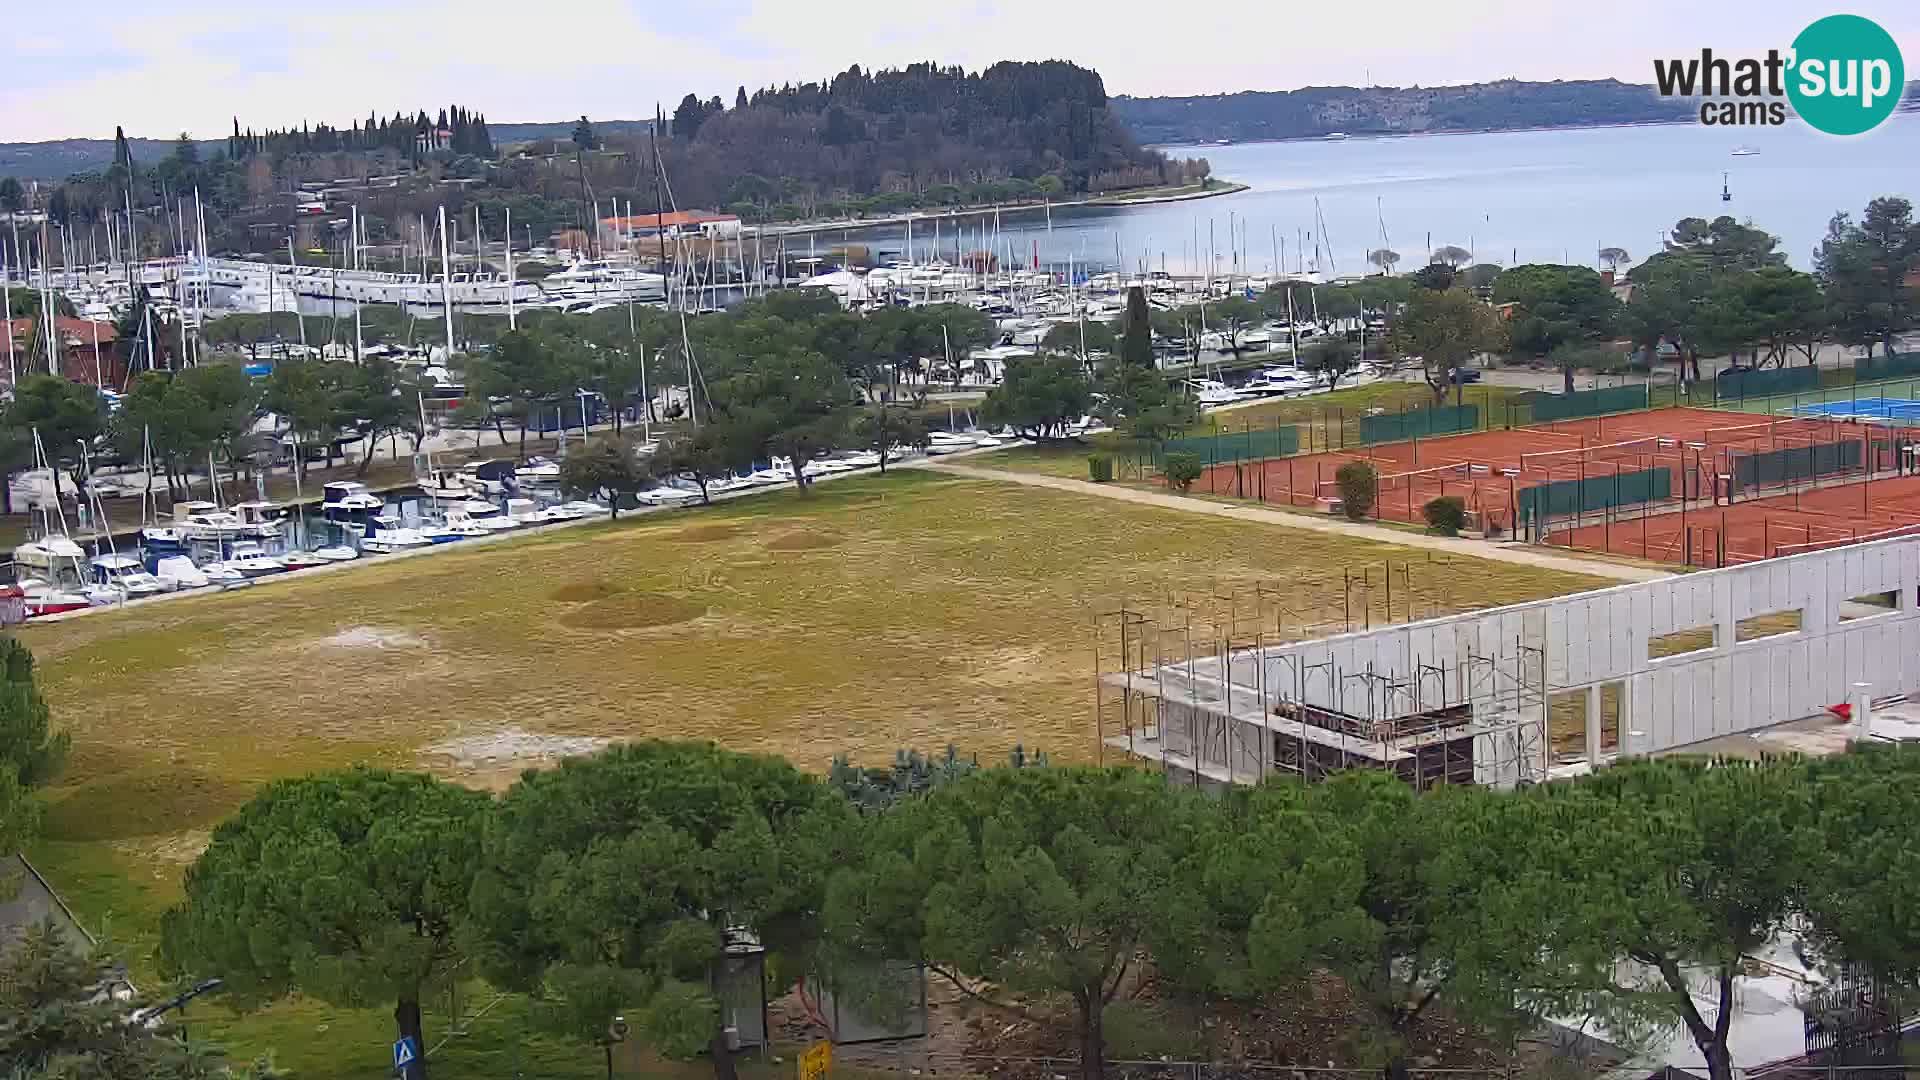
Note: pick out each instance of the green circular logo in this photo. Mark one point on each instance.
(1846, 75)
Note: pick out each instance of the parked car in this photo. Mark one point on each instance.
(1466, 375)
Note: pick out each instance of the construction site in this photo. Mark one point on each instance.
(1220, 690)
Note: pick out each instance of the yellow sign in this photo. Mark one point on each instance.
(816, 1061)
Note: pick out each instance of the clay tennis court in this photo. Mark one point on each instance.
(1747, 531)
(1488, 469)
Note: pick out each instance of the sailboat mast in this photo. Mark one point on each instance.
(446, 284)
(511, 325)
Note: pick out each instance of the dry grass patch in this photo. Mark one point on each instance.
(706, 534)
(586, 592)
(632, 611)
(803, 540)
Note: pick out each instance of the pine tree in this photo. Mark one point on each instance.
(740, 98)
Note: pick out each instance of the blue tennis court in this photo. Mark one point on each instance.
(1884, 409)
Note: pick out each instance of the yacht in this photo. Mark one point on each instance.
(52, 580)
(261, 519)
(1744, 151)
(348, 500)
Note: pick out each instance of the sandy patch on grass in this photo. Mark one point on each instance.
(373, 637)
(494, 760)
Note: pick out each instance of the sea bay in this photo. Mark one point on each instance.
(1509, 197)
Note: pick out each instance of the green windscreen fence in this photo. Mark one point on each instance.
(1419, 423)
(1794, 463)
(1734, 385)
(1582, 403)
(1564, 498)
(1246, 445)
(1875, 368)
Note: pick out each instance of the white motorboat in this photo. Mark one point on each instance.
(1273, 382)
(669, 496)
(946, 442)
(301, 560)
(538, 470)
(386, 534)
(46, 598)
(179, 572)
(213, 525)
(335, 553)
(251, 560)
(585, 508)
(163, 539)
(125, 575)
(862, 459)
(460, 526)
(225, 576)
(1211, 392)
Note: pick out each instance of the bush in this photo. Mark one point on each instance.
(1358, 485)
(1446, 514)
(1100, 468)
(1182, 470)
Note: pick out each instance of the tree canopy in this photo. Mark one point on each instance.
(1039, 397)
(348, 887)
(1042, 882)
(630, 870)
(1444, 329)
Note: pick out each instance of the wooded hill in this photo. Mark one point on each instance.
(924, 134)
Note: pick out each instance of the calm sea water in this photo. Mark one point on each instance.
(1531, 196)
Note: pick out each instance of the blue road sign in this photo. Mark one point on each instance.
(405, 1053)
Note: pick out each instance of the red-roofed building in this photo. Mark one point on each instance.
(677, 223)
(77, 358)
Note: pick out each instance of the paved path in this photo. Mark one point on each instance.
(1479, 549)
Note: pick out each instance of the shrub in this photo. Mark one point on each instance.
(1358, 484)
(1446, 514)
(1100, 468)
(1182, 470)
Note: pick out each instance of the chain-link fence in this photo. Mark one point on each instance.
(871, 1063)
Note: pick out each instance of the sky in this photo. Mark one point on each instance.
(194, 65)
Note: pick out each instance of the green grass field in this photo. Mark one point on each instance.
(910, 610)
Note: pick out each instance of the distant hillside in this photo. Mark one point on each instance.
(1385, 110)
(62, 158)
(563, 129)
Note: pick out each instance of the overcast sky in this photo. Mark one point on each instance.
(194, 64)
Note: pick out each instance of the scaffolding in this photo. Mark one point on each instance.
(1226, 687)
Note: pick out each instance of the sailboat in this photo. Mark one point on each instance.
(156, 540)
